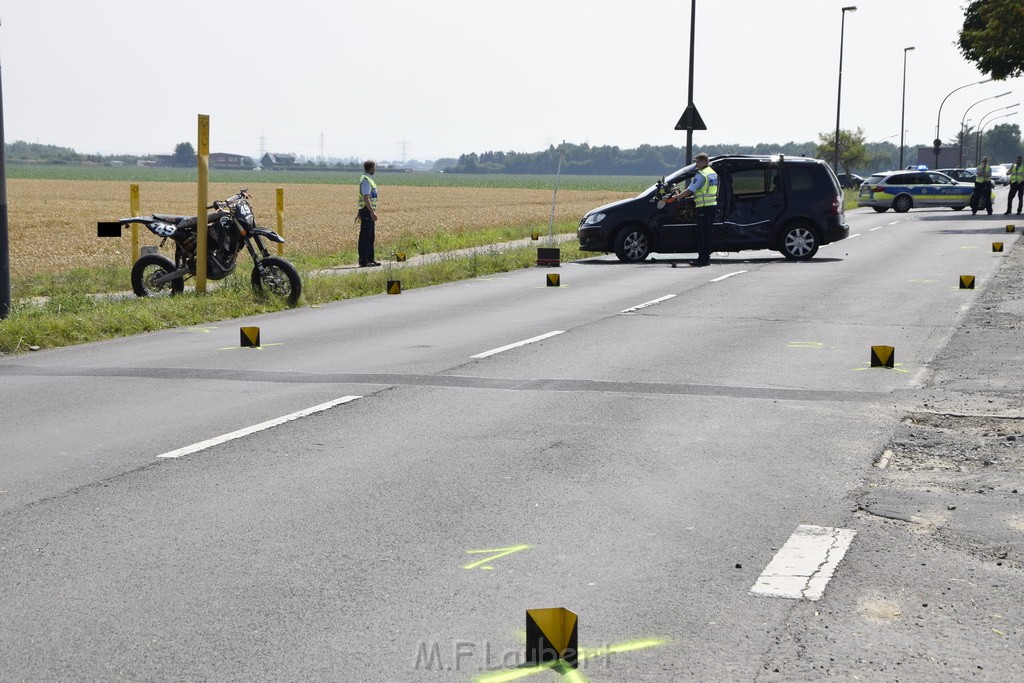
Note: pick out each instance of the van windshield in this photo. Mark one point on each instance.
(673, 178)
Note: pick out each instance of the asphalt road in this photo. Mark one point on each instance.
(638, 466)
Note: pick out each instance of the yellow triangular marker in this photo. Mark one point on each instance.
(394, 287)
(883, 356)
(553, 280)
(400, 256)
(997, 246)
(250, 337)
(966, 282)
(551, 634)
(1010, 228)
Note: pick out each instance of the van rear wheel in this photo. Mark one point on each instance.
(798, 242)
(632, 244)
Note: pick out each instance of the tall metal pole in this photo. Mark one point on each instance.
(964, 119)
(689, 96)
(981, 128)
(5, 254)
(839, 98)
(938, 140)
(903, 102)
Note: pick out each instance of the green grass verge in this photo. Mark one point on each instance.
(73, 317)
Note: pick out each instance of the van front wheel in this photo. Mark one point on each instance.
(798, 242)
(632, 244)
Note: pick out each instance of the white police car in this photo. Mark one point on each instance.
(902, 191)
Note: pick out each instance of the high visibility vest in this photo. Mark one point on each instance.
(1017, 173)
(373, 192)
(707, 195)
(984, 174)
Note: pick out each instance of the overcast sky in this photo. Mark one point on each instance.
(435, 78)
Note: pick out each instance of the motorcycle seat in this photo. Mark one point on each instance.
(170, 218)
(186, 221)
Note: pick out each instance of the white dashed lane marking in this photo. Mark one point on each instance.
(648, 303)
(485, 354)
(805, 564)
(727, 275)
(217, 440)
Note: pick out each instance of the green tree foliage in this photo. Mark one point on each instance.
(852, 152)
(1000, 143)
(184, 154)
(649, 160)
(993, 37)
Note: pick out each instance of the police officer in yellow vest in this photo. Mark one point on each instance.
(982, 188)
(367, 214)
(1016, 186)
(704, 190)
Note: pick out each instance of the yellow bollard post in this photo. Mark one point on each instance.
(203, 157)
(280, 219)
(133, 201)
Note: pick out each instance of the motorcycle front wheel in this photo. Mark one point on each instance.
(149, 268)
(279, 279)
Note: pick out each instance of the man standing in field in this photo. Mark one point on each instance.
(367, 215)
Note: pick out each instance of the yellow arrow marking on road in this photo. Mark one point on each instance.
(497, 552)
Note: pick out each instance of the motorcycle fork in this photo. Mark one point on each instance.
(256, 259)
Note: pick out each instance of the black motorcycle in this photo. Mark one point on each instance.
(230, 228)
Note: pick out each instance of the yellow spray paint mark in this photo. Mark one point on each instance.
(921, 280)
(567, 672)
(968, 247)
(495, 554)
(257, 348)
(896, 367)
(805, 345)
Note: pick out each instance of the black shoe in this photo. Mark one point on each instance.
(371, 264)
(700, 264)
(1007, 213)
(362, 265)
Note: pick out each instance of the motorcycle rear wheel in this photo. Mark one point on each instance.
(150, 267)
(279, 279)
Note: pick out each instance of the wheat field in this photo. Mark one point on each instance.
(53, 222)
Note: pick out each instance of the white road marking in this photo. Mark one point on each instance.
(805, 564)
(853, 235)
(878, 228)
(894, 222)
(649, 303)
(217, 440)
(517, 344)
(719, 279)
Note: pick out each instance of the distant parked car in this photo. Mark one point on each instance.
(850, 180)
(999, 175)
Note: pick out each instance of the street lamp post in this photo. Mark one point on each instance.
(903, 102)
(839, 97)
(964, 118)
(938, 140)
(983, 123)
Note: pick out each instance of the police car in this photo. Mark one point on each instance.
(902, 191)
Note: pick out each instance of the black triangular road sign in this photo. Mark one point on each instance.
(691, 120)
